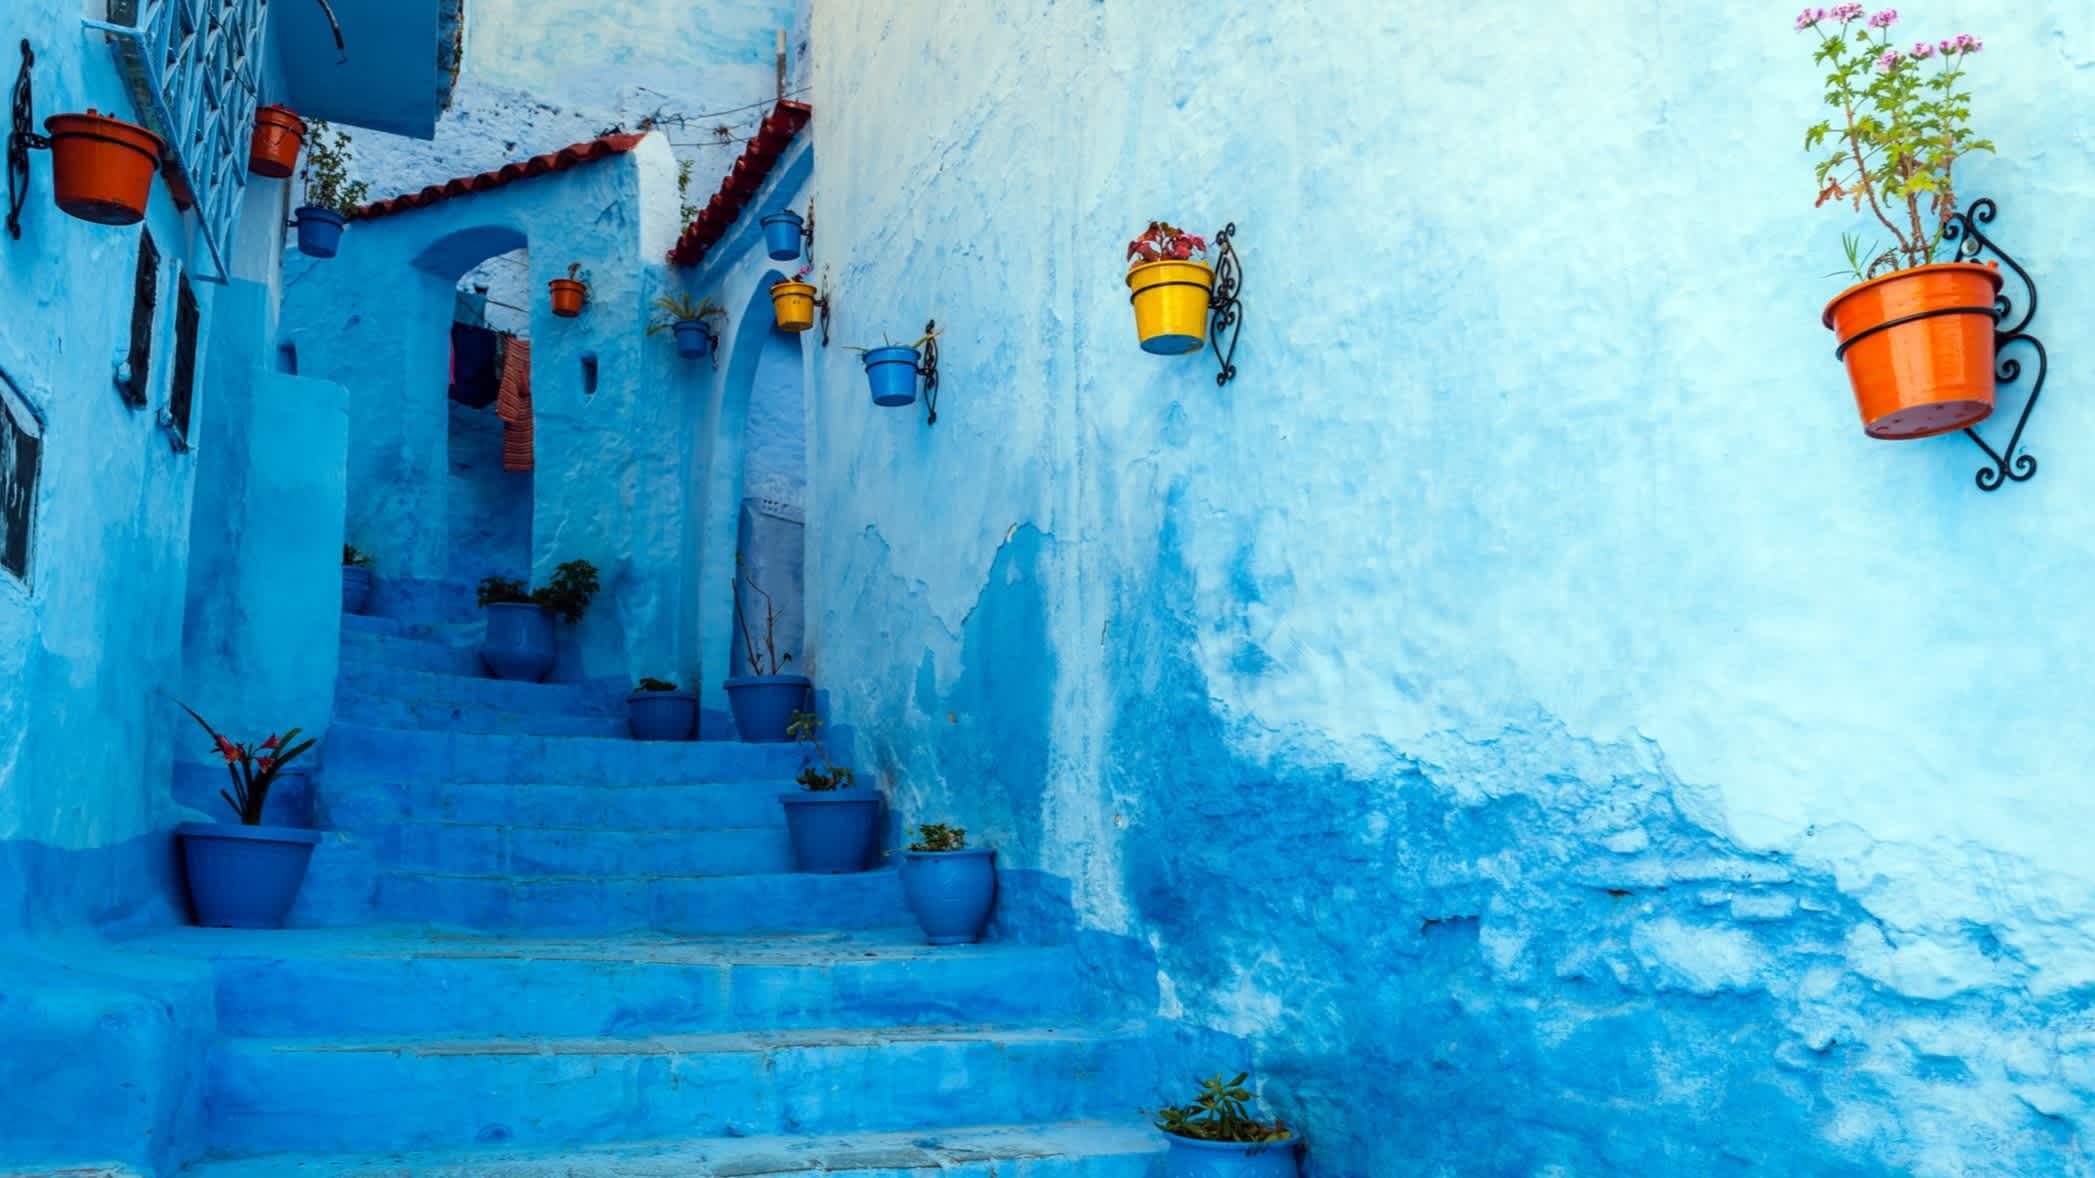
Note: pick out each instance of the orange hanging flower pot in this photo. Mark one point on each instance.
(102, 168)
(273, 151)
(1919, 348)
(568, 297)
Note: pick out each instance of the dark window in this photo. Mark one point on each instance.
(145, 298)
(183, 388)
(287, 358)
(21, 452)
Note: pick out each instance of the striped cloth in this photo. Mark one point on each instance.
(513, 405)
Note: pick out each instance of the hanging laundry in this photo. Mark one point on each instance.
(476, 372)
(513, 405)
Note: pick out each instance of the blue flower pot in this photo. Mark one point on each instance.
(356, 588)
(519, 643)
(1191, 1158)
(692, 342)
(662, 715)
(893, 375)
(831, 829)
(782, 235)
(244, 876)
(951, 892)
(764, 704)
(319, 231)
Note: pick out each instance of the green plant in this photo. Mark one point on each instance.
(921, 340)
(1219, 1114)
(503, 591)
(573, 587)
(685, 209)
(568, 595)
(353, 558)
(937, 836)
(327, 181)
(253, 768)
(647, 684)
(830, 775)
(681, 308)
(1897, 130)
(770, 657)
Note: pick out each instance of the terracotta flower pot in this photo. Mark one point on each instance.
(793, 304)
(1919, 348)
(568, 297)
(102, 168)
(273, 152)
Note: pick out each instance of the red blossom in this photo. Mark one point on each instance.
(271, 742)
(266, 764)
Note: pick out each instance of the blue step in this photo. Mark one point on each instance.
(729, 805)
(1082, 1149)
(692, 905)
(393, 649)
(421, 1093)
(377, 696)
(401, 982)
(356, 754)
(485, 849)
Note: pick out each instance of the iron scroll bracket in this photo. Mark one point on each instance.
(929, 371)
(21, 140)
(1225, 309)
(2010, 464)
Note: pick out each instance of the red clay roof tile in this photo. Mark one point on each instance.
(742, 181)
(552, 161)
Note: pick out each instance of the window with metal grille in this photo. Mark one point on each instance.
(145, 300)
(183, 388)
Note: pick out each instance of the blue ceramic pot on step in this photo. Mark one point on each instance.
(356, 588)
(692, 341)
(782, 235)
(831, 829)
(319, 231)
(893, 374)
(519, 643)
(764, 704)
(950, 892)
(662, 715)
(1191, 1158)
(244, 876)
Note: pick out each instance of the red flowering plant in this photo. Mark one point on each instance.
(253, 768)
(1165, 242)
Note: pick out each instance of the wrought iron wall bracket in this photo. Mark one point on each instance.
(822, 304)
(929, 371)
(21, 140)
(2009, 464)
(1225, 309)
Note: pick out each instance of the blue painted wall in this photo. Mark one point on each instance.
(1523, 703)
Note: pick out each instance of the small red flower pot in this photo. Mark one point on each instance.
(568, 297)
(102, 168)
(273, 152)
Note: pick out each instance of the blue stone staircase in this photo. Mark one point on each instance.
(531, 948)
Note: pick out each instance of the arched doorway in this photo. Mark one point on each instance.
(770, 512)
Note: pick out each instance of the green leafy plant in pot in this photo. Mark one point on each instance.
(356, 579)
(1215, 1136)
(829, 820)
(950, 886)
(520, 641)
(763, 701)
(245, 874)
(656, 710)
(331, 197)
(691, 320)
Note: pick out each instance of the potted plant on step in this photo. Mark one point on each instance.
(949, 885)
(656, 710)
(1917, 334)
(520, 642)
(102, 168)
(331, 196)
(1170, 284)
(356, 579)
(829, 821)
(688, 319)
(245, 874)
(272, 150)
(892, 369)
(793, 302)
(763, 701)
(1217, 1137)
(569, 293)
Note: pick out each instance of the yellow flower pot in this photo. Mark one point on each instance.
(793, 303)
(1171, 305)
